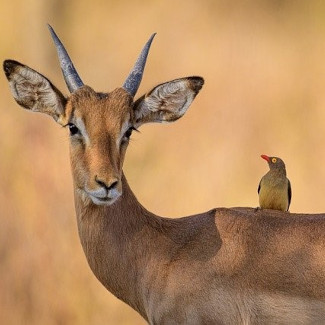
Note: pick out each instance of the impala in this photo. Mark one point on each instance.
(224, 266)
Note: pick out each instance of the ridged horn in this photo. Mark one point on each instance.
(70, 74)
(133, 81)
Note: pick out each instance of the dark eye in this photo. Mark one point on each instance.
(128, 133)
(73, 129)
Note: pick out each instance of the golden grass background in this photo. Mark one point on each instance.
(264, 67)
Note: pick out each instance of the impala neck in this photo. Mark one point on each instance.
(117, 241)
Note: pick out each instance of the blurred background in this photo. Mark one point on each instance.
(264, 70)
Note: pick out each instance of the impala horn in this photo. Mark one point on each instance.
(133, 81)
(70, 74)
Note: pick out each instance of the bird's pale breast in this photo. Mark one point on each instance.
(273, 194)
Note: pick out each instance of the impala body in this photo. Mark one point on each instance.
(225, 266)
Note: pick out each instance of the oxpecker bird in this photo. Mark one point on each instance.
(274, 188)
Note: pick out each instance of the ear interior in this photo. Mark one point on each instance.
(32, 90)
(167, 102)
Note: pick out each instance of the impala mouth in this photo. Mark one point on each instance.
(108, 199)
(103, 200)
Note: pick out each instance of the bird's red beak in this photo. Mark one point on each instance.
(267, 158)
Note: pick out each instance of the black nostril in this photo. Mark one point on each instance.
(113, 185)
(105, 185)
(101, 183)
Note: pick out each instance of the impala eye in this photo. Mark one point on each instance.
(73, 129)
(128, 133)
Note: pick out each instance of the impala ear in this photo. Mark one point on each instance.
(167, 102)
(33, 91)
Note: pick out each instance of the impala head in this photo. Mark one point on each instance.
(100, 124)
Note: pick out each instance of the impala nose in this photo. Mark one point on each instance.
(108, 185)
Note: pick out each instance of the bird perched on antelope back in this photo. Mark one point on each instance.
(274, 188)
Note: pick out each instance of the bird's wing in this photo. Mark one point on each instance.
(259, 187)
(289, 193)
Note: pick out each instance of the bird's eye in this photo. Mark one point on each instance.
(73, 129)
(274, 160)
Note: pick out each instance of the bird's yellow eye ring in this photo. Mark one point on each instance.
(274, 160)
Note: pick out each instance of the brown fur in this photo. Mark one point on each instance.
(225, 266)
